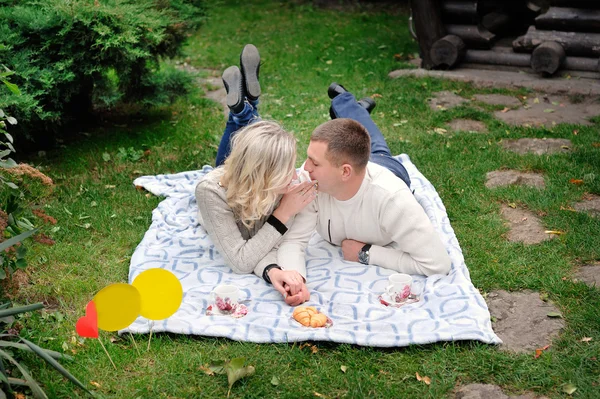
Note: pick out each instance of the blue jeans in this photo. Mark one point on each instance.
(234, 123)
(345, 106)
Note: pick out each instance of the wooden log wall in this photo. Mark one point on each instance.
(559, 32)
(546, 35)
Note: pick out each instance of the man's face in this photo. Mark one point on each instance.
(320, 169)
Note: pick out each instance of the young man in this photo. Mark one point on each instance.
(364, 203)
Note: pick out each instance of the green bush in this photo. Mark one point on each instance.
(71, 54)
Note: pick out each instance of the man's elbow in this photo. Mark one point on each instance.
(441, 265)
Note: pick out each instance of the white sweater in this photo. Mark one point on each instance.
(384, 213)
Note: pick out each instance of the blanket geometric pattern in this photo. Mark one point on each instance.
(450, 307)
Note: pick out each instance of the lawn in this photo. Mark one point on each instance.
(102, 218)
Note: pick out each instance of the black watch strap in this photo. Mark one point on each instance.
(366, 248)
(265, 274)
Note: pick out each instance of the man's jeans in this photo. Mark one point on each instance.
(235, 122)
(345, 106)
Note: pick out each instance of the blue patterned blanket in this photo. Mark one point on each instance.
(450, 307)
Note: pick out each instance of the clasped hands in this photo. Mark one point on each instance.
(291, 285)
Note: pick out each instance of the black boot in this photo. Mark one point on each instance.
(250, 67)
(232, 80)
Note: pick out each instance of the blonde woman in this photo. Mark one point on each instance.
(248, 202)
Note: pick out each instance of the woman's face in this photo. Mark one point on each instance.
(293, 179)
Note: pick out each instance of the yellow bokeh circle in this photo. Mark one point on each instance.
(118, 305)
(160, 291)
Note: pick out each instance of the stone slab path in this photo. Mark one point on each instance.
(537, 146)
(445, 100)
(549, 110)
(500, 178)
(467, 125)
(498, 99)
(521, 320)
(509, 80)
(524, 226)
(489, 391)
(589, 274)
(590, 205)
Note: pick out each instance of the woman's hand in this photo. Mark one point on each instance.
(287, 282)
(302, 296)
(295, 199)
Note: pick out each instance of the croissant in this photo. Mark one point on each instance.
(309, 316)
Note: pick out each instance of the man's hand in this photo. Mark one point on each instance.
(302, 296)
(351, 248)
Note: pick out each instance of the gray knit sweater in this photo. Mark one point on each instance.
(244, 250)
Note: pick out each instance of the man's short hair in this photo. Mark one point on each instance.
(347, 142)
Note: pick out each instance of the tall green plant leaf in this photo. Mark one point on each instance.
(53, 354)
(40, 352)
(31, 383)
(20, 309)
(16, 239)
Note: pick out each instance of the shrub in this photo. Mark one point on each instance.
(69, 54)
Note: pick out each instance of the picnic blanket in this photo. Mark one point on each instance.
(450, 308)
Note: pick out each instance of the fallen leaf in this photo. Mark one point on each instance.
(424, 379)
(524, 219)
(575, 132)
(578, 182)
(544, 297)
(19, 395)
(440, 130)
(376, 95)
(539, 351)
(597, 145)
(236, 370)
(536, 100)
(274, 381)
(110, 186)
(343, 368)
(555, 232)
(207, 370)
(554, 315)
(569, 389)
(313, 348)
(549, 110)
(564, 147)
(567, 208)
(505, 110)
(586, 339)
(96, 384)
(319, 395)
(512, 205)
(555, 102)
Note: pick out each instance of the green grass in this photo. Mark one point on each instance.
(304, 49)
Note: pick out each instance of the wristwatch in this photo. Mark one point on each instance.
(363, 254)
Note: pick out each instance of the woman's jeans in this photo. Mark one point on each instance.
(345, 106)
(235, 123)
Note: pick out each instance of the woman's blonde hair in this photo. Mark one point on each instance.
(260, 165)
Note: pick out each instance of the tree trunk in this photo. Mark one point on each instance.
(447, 52)
(547, 58)
(574, 43)
(569, 19)
(428, 26)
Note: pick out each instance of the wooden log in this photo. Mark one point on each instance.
(428, 26)
(447, 52)
(582, 64)
(547, 58)
(474, 36)
(460, 11)
(569, 19)
(574, 43)
(590, 4)
(495, 21)
(490, 57)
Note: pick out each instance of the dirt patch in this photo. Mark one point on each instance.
(489, 391)
(13, 283)
(521, 320)
(212, 85)
(499, 178)
(589, 274)
(498, 99)
(537, 146)
(590, 205)
(524, 226)
(549, 110)
(467, 125)
(446, 100)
